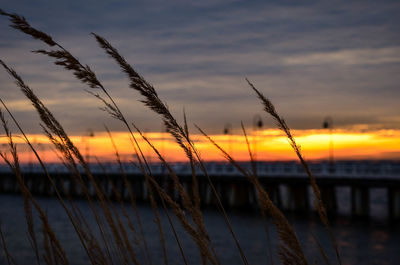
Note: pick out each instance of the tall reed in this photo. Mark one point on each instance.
(114, 245)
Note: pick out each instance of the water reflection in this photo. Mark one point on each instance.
(359, 242)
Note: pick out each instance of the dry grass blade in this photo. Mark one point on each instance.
(57, 250)
(192, 209)
(10, 259)
(264, 216)
(150, 95)
(131, 196)
(152, 100)
(321, 250)
(252, 160)
(122, 229)
(281, 123)
(21, 24)
(69, 62)
(86, 75)
(47, 255)
(116, 247)
(67, 148)
(290, 249)
(192, 161)
(63, 58)
(154, 206)
(74, 222)
(27, 204)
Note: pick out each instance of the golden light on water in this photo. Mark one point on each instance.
(266, 145)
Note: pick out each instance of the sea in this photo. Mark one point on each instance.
(375, 240)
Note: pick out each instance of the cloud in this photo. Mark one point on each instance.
(347, 57)
(312, 60)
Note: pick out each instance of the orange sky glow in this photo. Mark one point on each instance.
(268, 145)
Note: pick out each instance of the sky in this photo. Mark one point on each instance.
(312, 59)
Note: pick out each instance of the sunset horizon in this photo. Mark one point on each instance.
(266, 145)
(206, 132)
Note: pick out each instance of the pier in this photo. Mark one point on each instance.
(286, 182)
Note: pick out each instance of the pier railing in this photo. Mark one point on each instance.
(286, 182)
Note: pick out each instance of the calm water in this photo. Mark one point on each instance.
(372, 242)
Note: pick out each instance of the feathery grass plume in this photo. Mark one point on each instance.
(69, 62)
(319, 204)
(63, 142)
(150, 95)
(68, 147)
(195, 185)
(198, 237)
(10, 259)
(290, 251)
(65, 59)
(62, 56)
(201, 236)
(187, 226)
(131, 197)
(197, 213)
(21, 24)
(27, 204)
(121, 227)
(149, 184)
(264, 216)
(152, 101)
(83, 73)
(119, 198)
(57, 251)
(86, 75)
(74, 222)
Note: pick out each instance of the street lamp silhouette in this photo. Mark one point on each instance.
(228, 131)
(90, 134)
(328, 124)
(257, 125)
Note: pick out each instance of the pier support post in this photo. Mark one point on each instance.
(297, 198)
(208, 195)
(2, 177)
(239, 195)
(274, 194)
(328, 195)
(394, 203)
(360, 201)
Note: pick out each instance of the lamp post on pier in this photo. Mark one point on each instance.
(90, 134)
(228, 131)
(328, 124)
(257, 125)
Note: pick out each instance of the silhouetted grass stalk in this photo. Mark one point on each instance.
(131, 196)
(61, 200)
(114, 235)
(319, 204)
(57, 251)
(264, 216)
(290, 251)
(152, 101)
(10, 259)
(86, 75)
